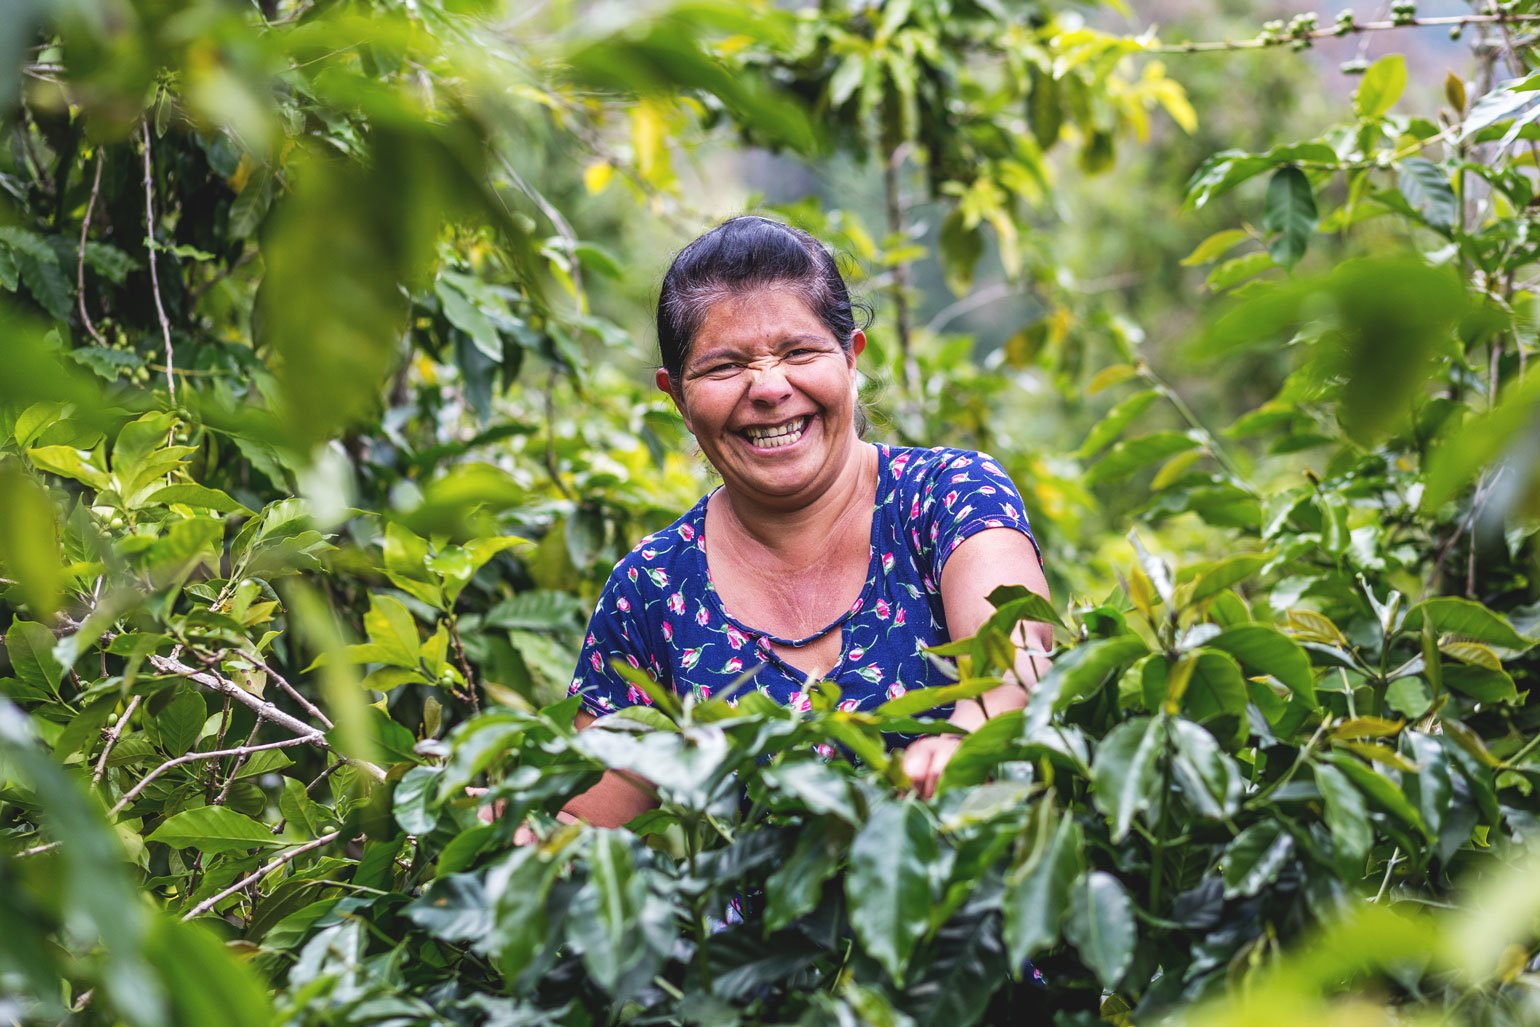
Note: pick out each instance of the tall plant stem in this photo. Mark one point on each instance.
(150, 244)
(901, 313)
(80, 258)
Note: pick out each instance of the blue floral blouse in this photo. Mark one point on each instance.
(660, 612)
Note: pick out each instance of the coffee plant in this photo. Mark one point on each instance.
(323, 418)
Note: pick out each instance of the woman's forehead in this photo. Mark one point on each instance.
(762, 316)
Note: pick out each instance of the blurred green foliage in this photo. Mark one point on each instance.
(324, 415)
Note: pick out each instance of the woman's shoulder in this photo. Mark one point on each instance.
(918, 467)
(656, 558)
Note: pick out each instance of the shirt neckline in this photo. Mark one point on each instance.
(714, 598)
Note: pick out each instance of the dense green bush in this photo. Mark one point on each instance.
(322, 421)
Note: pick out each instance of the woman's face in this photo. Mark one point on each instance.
(770, 395)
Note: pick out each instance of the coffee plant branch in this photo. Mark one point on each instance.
(1302, 35)
(80, 257)
(150, 244)
(239, 751)
(213, 900)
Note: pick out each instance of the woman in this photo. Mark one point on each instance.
(820, 556)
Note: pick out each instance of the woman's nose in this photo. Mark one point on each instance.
(768, 382)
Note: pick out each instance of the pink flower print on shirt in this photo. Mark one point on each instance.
(636, 695)
(914, 513)
(632, 661)
(702, 615)
(898, 618)
(962, 462)
(648, 554)
(687, 532)
(800, 701)
(895, 690)
(668, 632)
(930, 586)
(659, 578)
(959, 478)
(590, 641)
(689, 658)
(992, 468)
(850, 705)
(676, 603)
(732, 666)
(993, 523)
(986, 490)
(883, 609)
(887, 563)
(857, 653)
(631, 573)
(598, 664)
(623, 604)
(951, 497)
(855, 607)
(898, 465)
(702, 692)
(735, 638)
(872, 674)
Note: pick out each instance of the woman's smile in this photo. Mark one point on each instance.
(770, 396)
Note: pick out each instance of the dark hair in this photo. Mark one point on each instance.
(737, 257)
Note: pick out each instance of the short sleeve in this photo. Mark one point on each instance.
(962, 494)
(617, 632)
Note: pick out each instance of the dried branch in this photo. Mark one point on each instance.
(80, 258)
(213, 900)
(150, 244)
(1269, 39)
(112, 738)
(465, 665)
(309, 707)
(240, 761)
(261, 707)
(241, 751)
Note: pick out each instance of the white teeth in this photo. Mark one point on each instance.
(778, 435)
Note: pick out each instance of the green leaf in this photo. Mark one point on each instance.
(1082, 670)
(1481, 683)
(1291, 214)
(213, 829)
(795, 887)
(30, 648)
(607, 910)
(206, 981)
(1037, 894)
(406, 564)
(1210, 779)
(1124, 771)
(1101, 926)
(69, 462)
(521, 889)
(888, 884)
(392, 629)
(1428, 190)
(29, 547)
(1233, 272)
(1346, 817)
(302, 812)
(1381, 790)
(1254, 858)
(1467, 619)
(1265, 650)
(1471, 447)
(181, 721)
(1116, 419)
(1131, 455)
(1215, 246)
(1381, 87)
(1227, 573)
(1216, 687)
(197, 495)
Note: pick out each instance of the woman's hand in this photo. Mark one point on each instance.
(925, 759)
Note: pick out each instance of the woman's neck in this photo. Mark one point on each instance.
(797, 536)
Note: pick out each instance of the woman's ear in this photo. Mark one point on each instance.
(857, 344)
(666, 386)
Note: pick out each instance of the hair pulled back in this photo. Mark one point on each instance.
(737, 257)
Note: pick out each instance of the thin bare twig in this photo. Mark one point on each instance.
(195, 757)
(896, 230)
(112, 738)
(289, 689)
(80, 261)
(1266, 40)
(550, 435)
(37, 850)
(235, 770)
(213, 900)
(465, 665)
(150, 244)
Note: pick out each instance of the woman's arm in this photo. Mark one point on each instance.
(615, 800)
(980, 564)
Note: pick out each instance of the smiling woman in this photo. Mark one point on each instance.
(821, 556)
